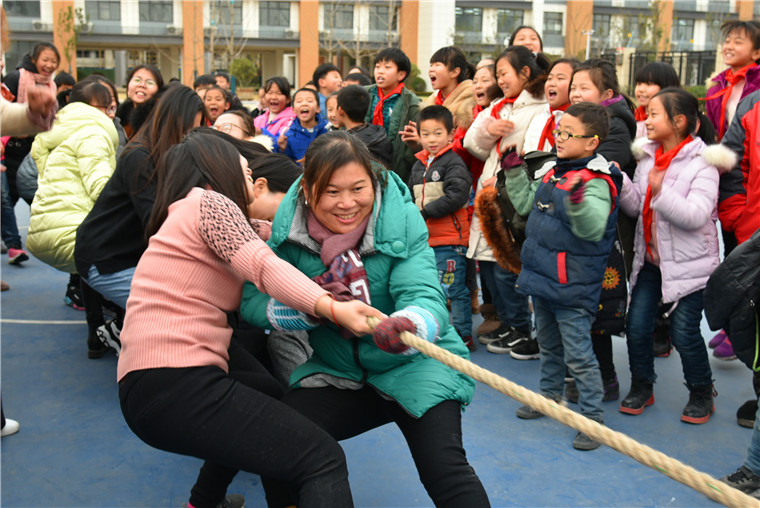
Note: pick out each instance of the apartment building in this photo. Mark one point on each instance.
(289, 38)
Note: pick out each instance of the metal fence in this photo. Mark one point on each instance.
(693, 67)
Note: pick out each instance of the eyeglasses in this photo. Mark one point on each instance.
(107, 110)
(564, 135)
(226, 127)
(148, 82)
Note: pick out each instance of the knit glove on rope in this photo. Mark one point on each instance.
(285, 318)
(416, 320)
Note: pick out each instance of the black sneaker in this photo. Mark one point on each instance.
(745, 415)
(527, 350)
(232, 501)
(528, 413)
(700, 405)
(504, 344)
(95, 348)
(109, 335)
(611, 390)
(487, 338)
(640, 396)
(744, 480)
(73, 297)
(583, 442)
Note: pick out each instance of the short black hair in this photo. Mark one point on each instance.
(661, 74)
(224, 75)
(438, 113)
(321, 71)
(594, 118)
(750, 28)
(225, 93)
(304, 89)
(354, 101)
(359, 78)
(204, 80)
(64, 78)
(396, 56)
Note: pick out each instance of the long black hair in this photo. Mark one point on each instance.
(201, 160)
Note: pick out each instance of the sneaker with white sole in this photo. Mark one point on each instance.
(10, 428)
(504, 344)
(109, 335)
(527, 350)
(744, 480)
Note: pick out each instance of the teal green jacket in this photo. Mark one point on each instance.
(402, 271)
(406, 110)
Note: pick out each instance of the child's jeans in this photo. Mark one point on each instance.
(511, 306)
(753, 454)
(452, 274)
(685, 331)
(564, 338)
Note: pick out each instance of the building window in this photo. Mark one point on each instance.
(156, 11)
(226, 12)
(274, 14)
(340, 16)
(383, 18)
(634, 31)
(601, 26)
(683, 31)
(22, 9)
(100, 10)
(714, 33)
(552, 23)
(469, 19)
(507, 20)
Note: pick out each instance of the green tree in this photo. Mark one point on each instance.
(245, 71)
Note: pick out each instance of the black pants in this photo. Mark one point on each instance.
(204, 412)
(435, 439)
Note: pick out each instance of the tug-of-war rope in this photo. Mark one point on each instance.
(704, 483)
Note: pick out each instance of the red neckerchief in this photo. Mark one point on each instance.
(661, 163)
(495, 113)
(6, 93)
(497, 107)
(732, 79)
(377, 114)
(546, 134)
(476, 110)
(640, 114)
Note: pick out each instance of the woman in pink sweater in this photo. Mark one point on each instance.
(175, 389)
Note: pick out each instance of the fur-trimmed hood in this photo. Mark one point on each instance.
(460, 102)
(723, 158)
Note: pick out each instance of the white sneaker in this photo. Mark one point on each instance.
(11, 427)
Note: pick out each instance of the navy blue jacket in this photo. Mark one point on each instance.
(299, 138)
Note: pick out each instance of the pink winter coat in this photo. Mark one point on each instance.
(686, 212)
(278, 126)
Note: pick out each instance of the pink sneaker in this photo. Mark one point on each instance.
(717, 340)
(17, 256)
(724, 351)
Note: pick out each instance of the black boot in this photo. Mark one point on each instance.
(662, 344)
(640, 396)
(745, 415)
(95, 348)
(700, 405)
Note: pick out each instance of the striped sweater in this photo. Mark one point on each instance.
(191, 274)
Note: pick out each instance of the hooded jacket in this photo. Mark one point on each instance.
(482, 145)
(685, 212)
(441, 190)
(299, 138)
(401, 270)
(713, 106)
(460, 102)
(739, 207)
(75, 159)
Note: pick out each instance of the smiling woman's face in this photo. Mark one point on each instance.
(142, 87)
(346, 201)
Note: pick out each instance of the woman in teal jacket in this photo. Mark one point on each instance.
(358, 234)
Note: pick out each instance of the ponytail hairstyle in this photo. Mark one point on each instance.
(201, 160)
(92, 92)
(677, 101)
(520, 57)
(604, 76)
(453, 58)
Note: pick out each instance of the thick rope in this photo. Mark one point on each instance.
(704, 483)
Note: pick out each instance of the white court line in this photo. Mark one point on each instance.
(40, 322)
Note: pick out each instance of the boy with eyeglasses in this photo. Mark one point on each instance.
(573, 206)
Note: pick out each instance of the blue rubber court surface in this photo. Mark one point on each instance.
(74, 448)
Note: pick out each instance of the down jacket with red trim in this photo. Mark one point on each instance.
(441, 191)
(557, 265)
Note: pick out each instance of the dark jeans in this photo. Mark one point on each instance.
(435, 439)
(685, 331)
(9, 228)
(511, 306)
(204, 412)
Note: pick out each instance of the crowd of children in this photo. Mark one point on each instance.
(605, 220)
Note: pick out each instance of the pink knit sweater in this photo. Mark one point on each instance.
(191, 274)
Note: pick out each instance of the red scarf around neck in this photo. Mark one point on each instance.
(546, 134)
(640, 114)
(662, 161)
(732, 79)
(377, 114)
(497, 107)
